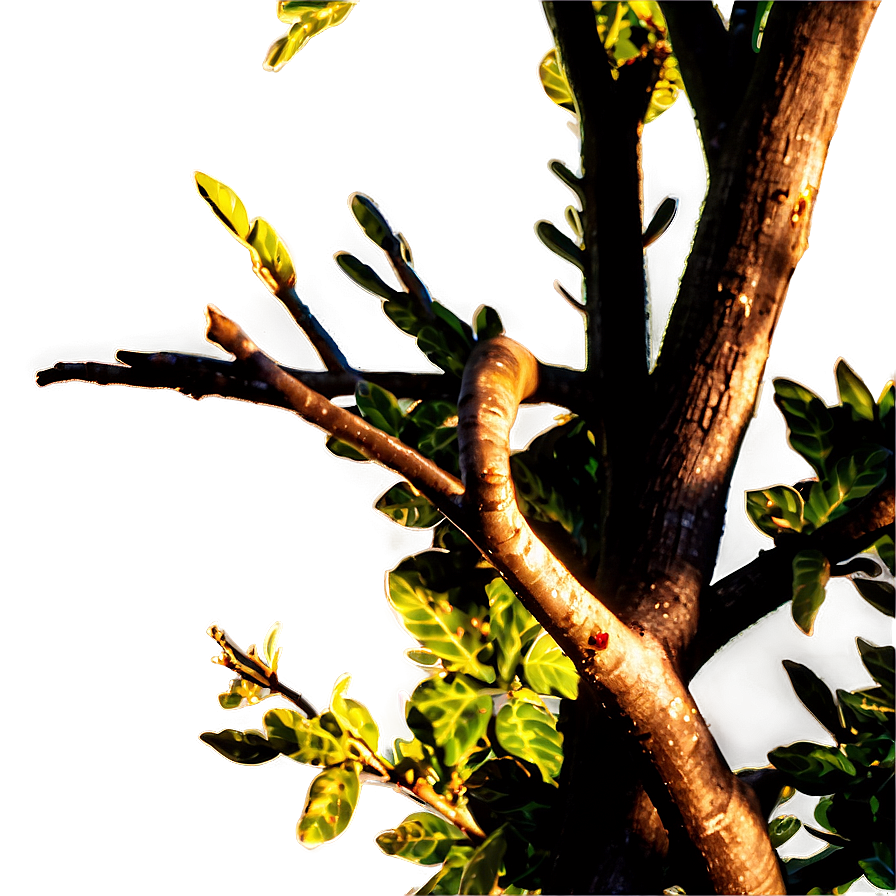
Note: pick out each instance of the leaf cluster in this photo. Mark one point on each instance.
(850, 449)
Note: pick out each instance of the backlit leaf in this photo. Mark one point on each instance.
(484, 866)
(422, 837)
(512, 627)
(526, 728)
(776, 509)
(364, 275)
(225, 204)
(270, 651)
(884, 548)
(331, 801)
(811, 571)
(353, 717)
(450, 713)
(404, 504)
(879, 869)
(553, 80)
(815, 695)
(809, 422)
(853, 392)
(548, 670)
(245, 747)
(318, 741)
(782, 828)
(306, 19)
(447, 879)
(440, 627)
(851, 478)
(886, 403)
(242, 693)
(270, 259)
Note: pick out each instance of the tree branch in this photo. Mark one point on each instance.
(324, 344)
(442, 489)
(742, 598)
(717, 809)
(699, 39)
(199, 376)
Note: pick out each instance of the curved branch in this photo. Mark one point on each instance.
(741, 599)
(718, 810)
(441, 488)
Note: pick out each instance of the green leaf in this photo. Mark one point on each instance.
(563, 173)
(811, 571)
(343, 449)
(548, 670)
(511, 628)
(881, 595)
(809, 422)
(353, 717)
(404, 250)
(854, 394)
(270, 259)
(561, 244)
(318, 741)
(439, 349)
(661, 221)
(762, 11)
(885, 405)
(879, 869)
(526, 728)
(447, 879)
(225, 204)
(884, 548)
(424, 658)
(270, 651)
(879, 663)
(439, 626)
(331, 801)
(242, 693)
(407, 507)
(379, 407)
(307, 19)
(776, 509)
(483, 868)
(817, 769)
(364, 275)
(866, 710)
(245, 747)
(422, 837)
(487, 323)
(815, 695)
(553, 80)
(372, 222)
(782, 828)
(450, 713)
(852, 478)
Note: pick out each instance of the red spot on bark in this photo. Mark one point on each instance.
(599, 640)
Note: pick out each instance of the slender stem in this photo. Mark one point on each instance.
(324, 344)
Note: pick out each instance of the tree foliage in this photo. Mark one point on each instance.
(553, 596)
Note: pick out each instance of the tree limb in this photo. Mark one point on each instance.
(717, 809)
(742, 598)
(442, 489)
(699, 39)
(199, 376)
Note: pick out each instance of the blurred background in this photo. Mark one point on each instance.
(135, 518)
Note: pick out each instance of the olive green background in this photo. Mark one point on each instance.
(134, 519)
